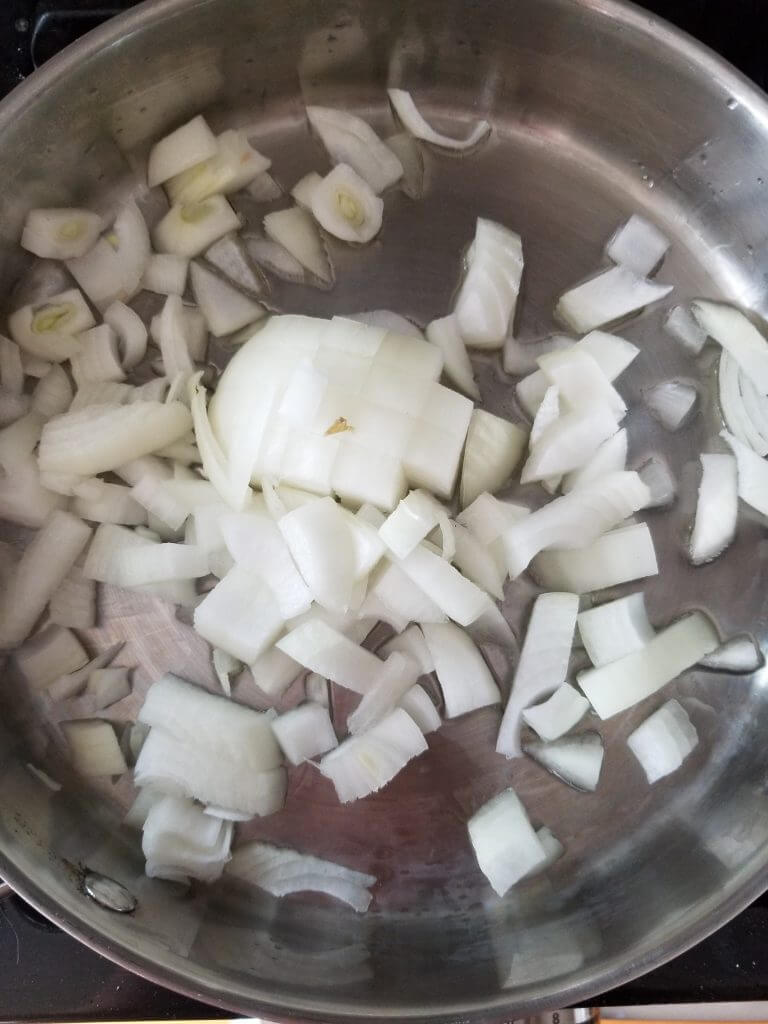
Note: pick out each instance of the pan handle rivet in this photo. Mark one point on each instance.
(108, 893)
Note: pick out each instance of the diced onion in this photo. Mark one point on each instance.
(610, 457)
(580, 381)
(739, 654)
(414, 182)
(611, 631)
(557, 715)
(576, 760)
(98, 358)
(418, 704)
(617, 557)
(464, 677)
(344, 204)
(225, 308)
(717, 507)
(305, 732)
(230, 257)
(131, 333)
(233, 165)
(406, 110)
(320, 542)
(505, 843)
(663, 741)
(395, 678)
(275, 258)
(612, 295)
(108, 685)
(166, 274)
(492, 450)
(240, 615)
(180, 841)
(74, 602)
(349, 140)
(478, 562)
(460, 599)
(672, 403)
(188, 145)
(444, 333)
(485, 306)
(681, 325)
(189, 228)
(113, 269)
(322, 649)
(101, 502)
(60, 234)
(94, 748)
(752, 474)
(738, 336)
(639, 245)
(48, 654)
(657, 477)
(48, 330)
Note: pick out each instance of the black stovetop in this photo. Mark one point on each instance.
(47, 975)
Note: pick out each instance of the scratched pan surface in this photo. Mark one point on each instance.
(597, 111)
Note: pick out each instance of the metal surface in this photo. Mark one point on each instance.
(598, 111)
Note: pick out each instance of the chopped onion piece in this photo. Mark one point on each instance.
(444, 333)
(350, 140)
(240, 615)
(492, 450)
(273, 672)
(304, 189)
(102, 437)
(464, 677)
(225, 308)
(166, 274)
(322, 649)
(460, 599)
(576, 760)
(145, 467)
(71, 684)
(12, 407)
(413, 182)
(40, 571)
(224, 665)
(406, 110)
(280, 872)
(610, 457)
(24, 498)
(172, 339)
(733, 408)
(98, 358)
(558, 715)
(48, 654)
(60, 234)
(522, 359)
(305, 732)
(94, 748)
(344, 204)
(316, 689)
(657, 477)
(274, 257)
(488, 518)
(189, 228)
(188, 145)
(419, 706)
(580, 382)
(506, 846)
(230, 258)
(543, 663)
(74, 603)
(612, 295)
(716, 509)
(180, 841)
(264, 189)
(364, 764)
(233, 165)
(415, 516)
(130, 330)
(638, 245)
(478, 563)
(739, 654)
(663, 741)
(395, 678)
(617, 557)
(485, 306)
(34, 366)
(107, 503)
(156, 562)
(108, 685)
(681, 325)
(113, 269)
(575, 520)
(568, 443)
(320, 540)
(615, 629)
(389, 320)
(215, 464)
(18, 441)
(48, 330)
(672, 403)
(730, 328)
(628, 680)
(752, 474)
(394, 597)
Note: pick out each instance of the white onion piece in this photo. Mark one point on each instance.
(408, 113)
(345, 205)
(557, 715)
(320, 541)
(24, 498)
(230, 258)
(350, 140)
(100, 502)
(274, 257)
(568, 443)
(264, 188)
(255, 542)
(146, 466)
(316, 689)
(617, 557)
(60, 234)
(273, 672)
(181, 149)
(520, 359)
(657, 477)
(215, 464)
(681, 325)
(92, 393)
(159, 501)
(610, 457)
(48, 654)
(488, 518)
(717, 508)
(224, 665)
(180, 841)
(638, 245)
(663, 741)
(137, 813)
(576, 760)
(113, 269)
(752, 474)
(11, 367)
(131, 333)
(576, 519)
(396, 677)
(360, 474)
(225, 308)
(546, 415)
(102, 437)
(19, 440)
(393, 597)
(492, 628)
(389, 320)
(739, 654)
(48, 330)
(40, 571)
(34, 366)
(280, 872)
(108, 685)
(364, 764)
(233, 165)
(444, 334)
(492, 450)
(615, 629)
(69, 685)
(323, 649)
(418, 704)
(464, 677)
(305, 732)
(485, 306)
(98, 358)
(12, 407)
(74, 603)
(413, 182)
(101, 563)
(477, 563)
(172, 339)
(189, 228)
(460, 599)
(628, 680)
(732, 405)
(304, 189)
(506, 846)
(166, 274)
(543, 663)
(157, 562)
(240, 615)
(610, 296)
(738, 336)
(672, 403)
(755, 404)
(415, 516)
(580, 381)
(411, 642)
(93, 748)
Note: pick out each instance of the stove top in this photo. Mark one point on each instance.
(47, 975)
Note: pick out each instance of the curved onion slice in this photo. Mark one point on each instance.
(464, 677)
(576, 760)
(305, 732)
(114, 268)
(485, 306)
(639, 245)
(506, 846)
(180, 841)
(395, 679)
(617, 557)
(444, 333)
(738, 336)
(610, 457)
(363, 764)
(663, 741)
(615, 629)
(732, 405)
(350, 140)
(568, 443)
(458, 597)
(230, 257)
(411, 642)
(581, 382)
(556, 716)
(543, 663)
(280, 872)
(53, 393)
(610, 296)
(344, 204)
(182, 148)
(492, 450)
(295, 230)
(406, 110)
(48, 330)
(130, 330)
(716, 509)
(215, 463)
(60, 234)
(323, 649)
(415, 516)
(304, 189)
(98, 359)
(240, 615)
(752, 474)
(274, 258)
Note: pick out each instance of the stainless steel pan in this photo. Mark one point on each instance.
(598, 110)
